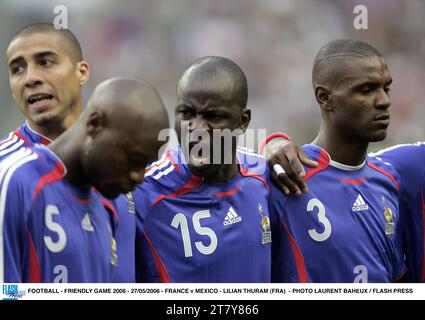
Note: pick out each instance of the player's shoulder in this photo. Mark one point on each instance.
(401, 149)
(30, 165)
(11, 143)
(19, 170)
(316, 153)
(169, 171)
(165, 176)
(403, 155)
(251, 161)
(383, 168)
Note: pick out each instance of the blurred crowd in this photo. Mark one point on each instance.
(274, 41)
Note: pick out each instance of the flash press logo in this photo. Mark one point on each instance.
(11, 292)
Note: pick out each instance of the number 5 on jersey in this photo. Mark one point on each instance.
(59, 245)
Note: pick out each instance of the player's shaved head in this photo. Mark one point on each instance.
(115, 138)
(129, 102)
(330, 60)
(71, 41)
(223, 74)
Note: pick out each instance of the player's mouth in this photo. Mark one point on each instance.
(199, 156)
(39, 102)
(383, 119)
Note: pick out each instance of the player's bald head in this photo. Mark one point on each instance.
(130, 103)
(70, 40)
(331, 59)
(215, 75)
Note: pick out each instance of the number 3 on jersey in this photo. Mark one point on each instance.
(315, 203)
(180, 220)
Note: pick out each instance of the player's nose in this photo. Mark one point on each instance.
(33, 77)
(383, 100)
(198, 123)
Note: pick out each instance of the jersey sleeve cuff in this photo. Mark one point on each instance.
(272, 136)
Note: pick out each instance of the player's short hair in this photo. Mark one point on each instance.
(75, 53)
(332, 56)
(213, 66)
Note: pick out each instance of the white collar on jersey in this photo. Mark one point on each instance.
(346, 167)
(342, 166)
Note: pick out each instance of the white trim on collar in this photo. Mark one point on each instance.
(37, 133)
(346, 167)
(341, 166)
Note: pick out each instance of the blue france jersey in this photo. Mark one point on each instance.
(51, 231)
(190, 231)
(345, 229)
(23, 136)
(409, 161)
(126, 227)
(123, 206)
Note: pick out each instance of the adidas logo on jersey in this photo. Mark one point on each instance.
(231, 217)
(86, 223)
(360, 204)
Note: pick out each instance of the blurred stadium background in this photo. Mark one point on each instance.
(274, 41)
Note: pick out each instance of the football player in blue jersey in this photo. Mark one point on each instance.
(346, 228)
(201, 220)
(53, 223)
(46, 74)
(407, 159)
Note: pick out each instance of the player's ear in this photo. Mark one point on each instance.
(95, 123)
(245, 119)
(83, 72)
(323, 97)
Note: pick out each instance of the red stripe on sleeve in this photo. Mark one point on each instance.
(193, 183)
(227, 193)
(160, 267)
(389, 175)
(299, 260)
(245, 173)
(55, 174)
(21, 136)
(34, 265)
(45, 141)
(173, 162)
(323, 163)
(423, 238)
(109, 205)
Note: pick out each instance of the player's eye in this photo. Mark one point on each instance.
(16, 69)
(216, 117)
(366, 89)
(45, 62)
(186, 113)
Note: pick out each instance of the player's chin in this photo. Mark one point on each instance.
(46, 119)
(378, 135)
(200, 170)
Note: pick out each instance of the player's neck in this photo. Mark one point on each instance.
(345, 151)
(67, 149)
(51, 131)
(219, 173)
(56, 127)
